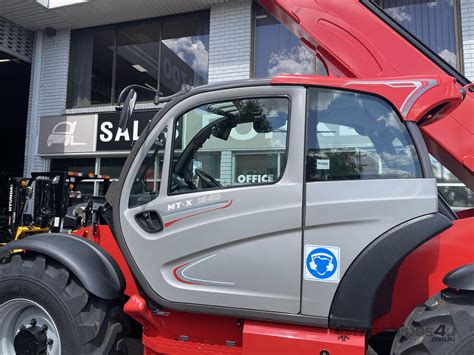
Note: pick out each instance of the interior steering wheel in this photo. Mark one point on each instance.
(208, 179)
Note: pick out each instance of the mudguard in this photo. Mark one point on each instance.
(97, 271)
(461, 278)
(366, 288)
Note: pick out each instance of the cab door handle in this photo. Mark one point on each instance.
(149, 221)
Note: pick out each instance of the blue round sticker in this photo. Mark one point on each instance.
(321, 263)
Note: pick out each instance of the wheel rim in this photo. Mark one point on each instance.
(18, 314)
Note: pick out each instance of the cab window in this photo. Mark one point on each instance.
(355, 136)
(230, 143)
(147, 181)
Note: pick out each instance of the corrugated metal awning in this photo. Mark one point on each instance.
(39, 14)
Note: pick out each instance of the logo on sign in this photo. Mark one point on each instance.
(321, 263)
(67, 134)
(63, 133)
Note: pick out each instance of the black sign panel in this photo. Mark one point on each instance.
(111, 138)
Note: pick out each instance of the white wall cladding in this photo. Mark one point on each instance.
(226, 168)
(52, 90)
(230, 41)
(467, 33)
(16, 40)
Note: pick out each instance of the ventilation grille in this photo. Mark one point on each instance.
(16, 40)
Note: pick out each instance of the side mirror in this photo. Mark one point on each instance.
(127, 109)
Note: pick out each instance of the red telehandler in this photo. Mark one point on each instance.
(346, 241)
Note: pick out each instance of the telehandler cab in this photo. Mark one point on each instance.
(344, 239)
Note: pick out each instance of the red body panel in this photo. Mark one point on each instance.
(272, 338)
(421, 273)
(466, 213)
(354, 42)
(102, 235)
(186, 333)
(413, 96)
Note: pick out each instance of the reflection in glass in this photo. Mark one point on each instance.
(137, 57)
(456, 194)
(422, 18)
(185, 53)
(277, 50)
(112, 166)
(256, 128)
(92, 63)
(133, 50)
(146, 184)
(354, 136)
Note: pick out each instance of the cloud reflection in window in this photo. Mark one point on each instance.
(191, 50)
(297, 60)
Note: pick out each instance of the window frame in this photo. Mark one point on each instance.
(416, 143)
(115, 27)
(229, 98)
(72, 63)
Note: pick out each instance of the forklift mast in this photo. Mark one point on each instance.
(356, 39)
(52, 194)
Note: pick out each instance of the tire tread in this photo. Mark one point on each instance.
(100, 325)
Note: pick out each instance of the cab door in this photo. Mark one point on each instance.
(211, 202)
(364, 177)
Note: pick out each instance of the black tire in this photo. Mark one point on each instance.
(86, 323)
(443, 325)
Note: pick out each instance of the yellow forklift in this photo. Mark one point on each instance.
(45, 202)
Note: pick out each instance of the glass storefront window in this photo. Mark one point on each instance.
(433, 22)
(456, 194)
(108, 166)
(278, 51)
(105, 60)
(77, 165)
(256, 168)
(137, 57)
(92, 62)
(211, 163)
(112, 166)
(184, 53)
